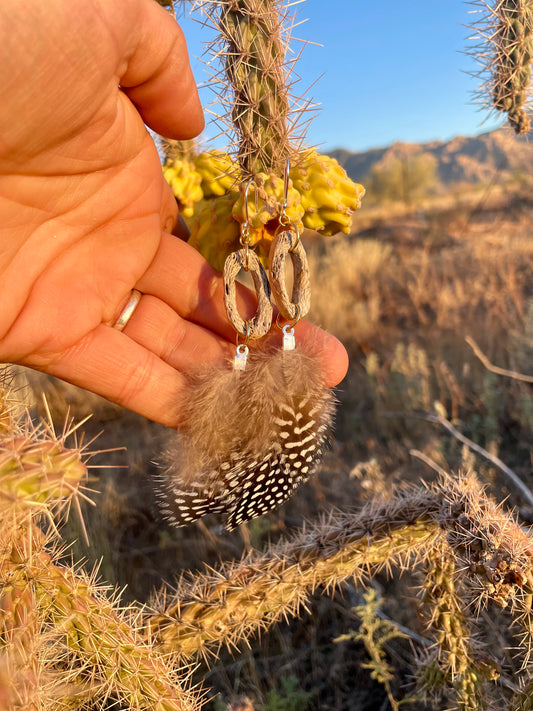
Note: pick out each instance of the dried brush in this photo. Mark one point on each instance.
(248, 438)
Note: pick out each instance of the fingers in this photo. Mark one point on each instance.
(180, 343)
(180, 229)
(144, 368)
(170, 220)
(181, 277)
(158, 78)
(111, 364)
(184, 345)
(117, 367)
(329, 349)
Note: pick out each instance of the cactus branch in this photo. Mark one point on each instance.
(46, 607)
(225, 606)
(106, 642)
(241, 598)
(252, 46)
(451, 662)
(503, 37)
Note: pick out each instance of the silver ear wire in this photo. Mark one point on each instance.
(244, 239)
(285, 189)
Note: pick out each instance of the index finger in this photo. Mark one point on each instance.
(158, 77)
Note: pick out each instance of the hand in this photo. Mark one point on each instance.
(85, 214)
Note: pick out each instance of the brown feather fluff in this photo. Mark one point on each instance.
(248, 438)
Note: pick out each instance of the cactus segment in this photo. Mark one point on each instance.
(253, 48)
(215, 233)
(320, 197)
(264, 200)
(514, 50)
(38, 472)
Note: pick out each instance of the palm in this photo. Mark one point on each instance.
(87, 270)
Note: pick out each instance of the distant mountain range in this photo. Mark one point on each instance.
(463, 159)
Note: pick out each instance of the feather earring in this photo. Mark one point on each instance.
(252, 434)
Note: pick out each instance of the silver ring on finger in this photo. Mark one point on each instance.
(128, 310)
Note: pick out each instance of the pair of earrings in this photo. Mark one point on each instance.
(252, 434)
(286, 242)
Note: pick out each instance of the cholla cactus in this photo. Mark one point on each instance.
(240, 599)
(63, 640)
(451, 663)
(328, 197)
(254, 36)
(504, 49)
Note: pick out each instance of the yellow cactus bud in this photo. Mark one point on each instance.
(185, 182)
(320, 197)
(335, 221)
(328, 195)
(219, 173)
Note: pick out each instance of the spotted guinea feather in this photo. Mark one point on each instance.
(248, 440)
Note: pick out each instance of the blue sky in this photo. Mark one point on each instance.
(393, 73)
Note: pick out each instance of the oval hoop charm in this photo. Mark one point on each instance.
(288, 242)
(260, 324)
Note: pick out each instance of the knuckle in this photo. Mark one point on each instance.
(136, 383)
(174, 342)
